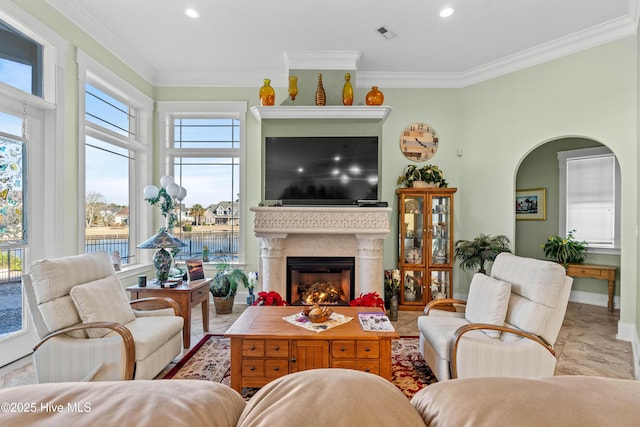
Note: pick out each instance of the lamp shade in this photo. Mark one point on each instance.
(151, 192)
(161, 240)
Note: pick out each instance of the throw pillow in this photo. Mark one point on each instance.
(102, 300)
(488, 302)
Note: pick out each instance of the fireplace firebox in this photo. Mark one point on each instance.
(320, 280)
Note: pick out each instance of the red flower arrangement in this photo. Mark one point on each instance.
(372, 299)
(269, 298)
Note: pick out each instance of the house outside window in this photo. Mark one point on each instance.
(590, 197)
(205, 151)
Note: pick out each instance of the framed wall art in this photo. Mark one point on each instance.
(531, 204)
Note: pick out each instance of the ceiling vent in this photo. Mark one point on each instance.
(386, 32)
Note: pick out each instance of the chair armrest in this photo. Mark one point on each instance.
(127, 340)
(457, 335)
(445, 301)
(165, 301)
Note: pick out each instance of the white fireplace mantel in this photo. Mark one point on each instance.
(321, 231)
(363, 112)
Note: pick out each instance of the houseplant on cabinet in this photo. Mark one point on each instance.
(225, 285)
(473, 254)
(426, 176)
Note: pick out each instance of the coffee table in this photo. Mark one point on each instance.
(265, 347)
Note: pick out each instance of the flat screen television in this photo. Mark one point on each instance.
(323, 170)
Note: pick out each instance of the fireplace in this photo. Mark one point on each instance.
(320, 280)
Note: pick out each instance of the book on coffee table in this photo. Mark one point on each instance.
(375, 321)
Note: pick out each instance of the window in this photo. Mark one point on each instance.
(590, 197)
(204, 154)
(113, 145)
(21, 60)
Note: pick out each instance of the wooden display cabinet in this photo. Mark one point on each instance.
(425, 246)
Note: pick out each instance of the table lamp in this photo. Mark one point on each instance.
(162, 259)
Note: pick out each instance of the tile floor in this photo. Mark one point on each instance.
(586, 344)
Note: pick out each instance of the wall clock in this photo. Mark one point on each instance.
(419, 142)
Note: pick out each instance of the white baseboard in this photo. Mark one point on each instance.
(628, 332)
(591, 298)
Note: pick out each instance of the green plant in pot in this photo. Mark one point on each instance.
(225, 285)
(565, 250)
(473, 254)
(431, 175)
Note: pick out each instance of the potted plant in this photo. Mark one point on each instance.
(429, 175)
(473, 254)
(565, 250)
(391, 286)
(225, 285)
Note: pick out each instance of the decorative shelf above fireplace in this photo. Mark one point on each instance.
(373, 113)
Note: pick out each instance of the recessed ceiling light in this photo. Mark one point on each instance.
(192, 13)
(446, 12)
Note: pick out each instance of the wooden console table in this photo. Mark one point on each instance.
(604, 272)
(264, 346)
(186, 295)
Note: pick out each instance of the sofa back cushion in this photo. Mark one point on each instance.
(487, 302)
(538, 293)
(52, 280)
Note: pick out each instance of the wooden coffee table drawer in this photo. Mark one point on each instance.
(253, 348)
(343, 363)
(276, 368)
(368, 350)
(371, 366)
(343, 349)
(253, 368)
(277, 348)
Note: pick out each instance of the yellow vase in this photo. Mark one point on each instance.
(293, 87)
(267, 93)
(347, 91)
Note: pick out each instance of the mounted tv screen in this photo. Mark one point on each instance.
(321, 170)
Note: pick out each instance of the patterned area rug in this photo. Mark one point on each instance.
(210, 360)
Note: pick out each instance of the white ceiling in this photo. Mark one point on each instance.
(240, 42)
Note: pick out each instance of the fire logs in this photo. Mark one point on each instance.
(320, 292)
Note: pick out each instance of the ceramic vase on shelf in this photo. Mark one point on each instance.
(347, 90)
(374, 97)
(321, 98)
(267, 93)
(293, 87)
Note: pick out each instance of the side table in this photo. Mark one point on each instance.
(604, 272)
(186, 295)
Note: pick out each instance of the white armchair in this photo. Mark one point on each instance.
(88, 328)
(508, 327)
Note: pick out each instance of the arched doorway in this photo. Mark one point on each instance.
(540, 170)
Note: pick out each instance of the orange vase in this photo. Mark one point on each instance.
(347, 91)
(374, 97)
(267, 93)
(321, 98)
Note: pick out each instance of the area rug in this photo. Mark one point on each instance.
(209, 360)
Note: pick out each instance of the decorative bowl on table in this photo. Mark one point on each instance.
(317, 314)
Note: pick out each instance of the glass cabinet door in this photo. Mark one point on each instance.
(439, 284)
(412, 240)
(413, 286)
(440, 230)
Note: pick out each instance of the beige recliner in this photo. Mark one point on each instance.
(88, 328)
(508, 327)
